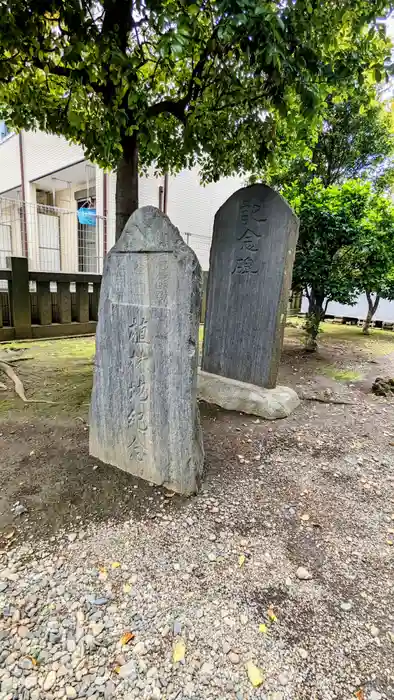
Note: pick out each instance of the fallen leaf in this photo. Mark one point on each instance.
(126, 638)
(271, 614)
(116, 669)
(391, 530)
(179, 652)
(126, 588)
(360, 695)
(241, 559)
(263, 628)
(33, 660)
(115, 565)
(254, 674)
(390, 542)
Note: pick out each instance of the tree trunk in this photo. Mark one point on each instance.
(126, 183)
(372, 308)
(315, 315)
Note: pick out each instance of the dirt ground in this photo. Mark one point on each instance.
(318, 488)
(44, 460)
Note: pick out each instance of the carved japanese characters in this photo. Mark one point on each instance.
(144, 415)
(253, 246)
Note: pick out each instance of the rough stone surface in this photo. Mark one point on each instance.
(144, 416)
(252, 254)
(234, 395)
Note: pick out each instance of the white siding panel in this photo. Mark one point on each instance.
(149, 189)
(5, 244)
(358, 310)
(49, 242)
(10, 172)
(111, 189)
(192, 207)
(45, 153)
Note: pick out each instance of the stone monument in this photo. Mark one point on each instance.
(252, 254)
(144, 416)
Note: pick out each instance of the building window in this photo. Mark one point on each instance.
(87, 237)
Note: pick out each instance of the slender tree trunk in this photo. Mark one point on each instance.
(372, 308)
(315, 315)
(126, 183)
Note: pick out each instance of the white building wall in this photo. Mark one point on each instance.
(46, 153)
(10, 171)
(385, 311)
(190, 206)
(65, 200)
(148, 194)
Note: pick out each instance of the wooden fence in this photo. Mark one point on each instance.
(31, 308)
(36, 311)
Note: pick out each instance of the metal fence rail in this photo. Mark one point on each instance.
(61, 240)
(53, 239)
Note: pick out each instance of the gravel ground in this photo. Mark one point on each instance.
(284, 560)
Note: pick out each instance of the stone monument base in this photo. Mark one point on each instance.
(247, 398)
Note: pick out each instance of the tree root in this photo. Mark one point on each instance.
(19, 388)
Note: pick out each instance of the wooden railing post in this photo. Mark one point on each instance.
(44, 303)
(82, 302)
(20, 298)
(64, 301)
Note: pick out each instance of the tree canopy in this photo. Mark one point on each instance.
(355, 139)
(330, 230)
(177, 81)
(345, 247)
(370, 264)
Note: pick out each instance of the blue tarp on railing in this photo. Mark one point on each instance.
(86, 216)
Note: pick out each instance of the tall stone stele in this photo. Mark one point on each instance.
(252, 254)
(144, 416)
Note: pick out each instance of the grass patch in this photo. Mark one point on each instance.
(379, 342)
(342, 375)
(60, 371)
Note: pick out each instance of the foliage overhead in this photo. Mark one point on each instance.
(207, 80)
(355, 139)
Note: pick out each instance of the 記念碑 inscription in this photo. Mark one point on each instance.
(253, 246)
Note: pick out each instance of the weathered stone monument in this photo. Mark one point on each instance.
(252, 254)
(144, 416)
